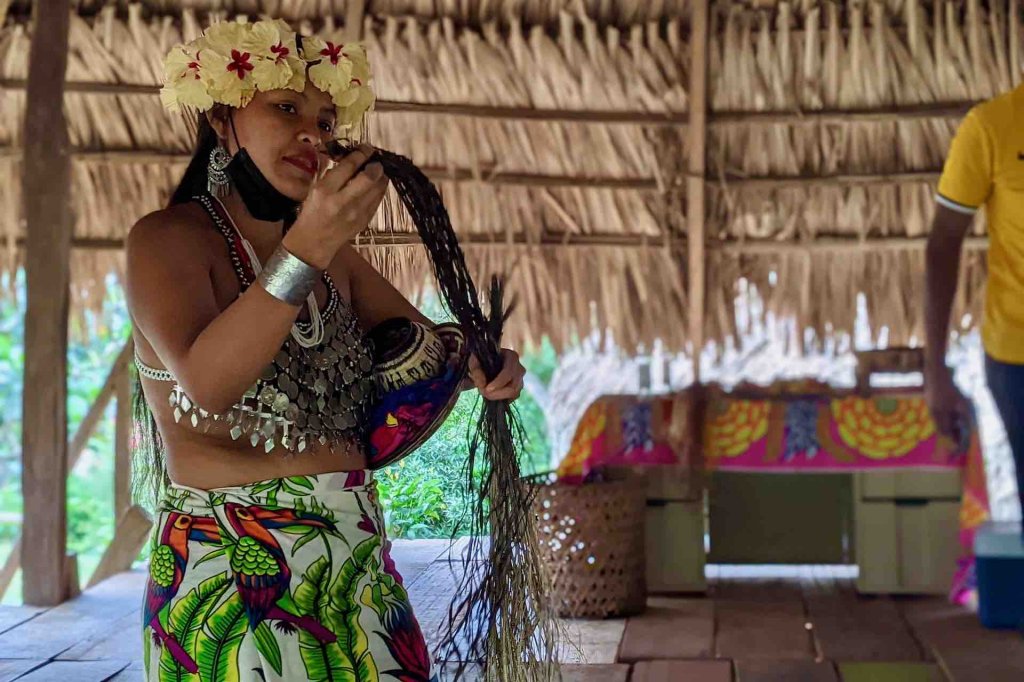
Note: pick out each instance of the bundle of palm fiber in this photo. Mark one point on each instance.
(500, 617)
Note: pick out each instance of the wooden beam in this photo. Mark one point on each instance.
(488, 175)
(491, 176)
(472, 240)
(613, 241)
(46, 183)
(130, 534)
(1013, 22)
(111, 386)
(122, 436)
(752, 247)
(937, 110)
(836, 244)
(674, 119)
(597, 116)
(355, 12)
(11, 565)
(840, 180)
(696, 167)
(96, 411)
(122, 442)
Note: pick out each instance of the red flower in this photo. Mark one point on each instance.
(389, 563)
(409, 650)
(194, 65)
(367, 525)
(355, 478)
(334, 52)
(281, 51)
(240, 63)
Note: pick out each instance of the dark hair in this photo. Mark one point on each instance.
(149, 457)
(193, 181)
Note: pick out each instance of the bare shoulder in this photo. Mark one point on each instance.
(177, 232)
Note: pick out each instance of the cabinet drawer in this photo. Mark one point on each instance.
(906, 547)
(927, 536)
(910, 483)
(876, 547)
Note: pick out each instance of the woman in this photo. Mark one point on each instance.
(269, 560)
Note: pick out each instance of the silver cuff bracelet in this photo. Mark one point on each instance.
(287, 277)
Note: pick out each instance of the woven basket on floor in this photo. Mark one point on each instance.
(591, 538)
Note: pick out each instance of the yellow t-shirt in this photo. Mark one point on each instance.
(985, 167)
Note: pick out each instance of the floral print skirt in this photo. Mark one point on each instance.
(284, 579)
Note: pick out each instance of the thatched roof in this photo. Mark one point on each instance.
(556, 130)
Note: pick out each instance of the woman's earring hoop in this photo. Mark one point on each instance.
(217, 182)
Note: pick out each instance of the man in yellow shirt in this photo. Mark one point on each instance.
(985, 167)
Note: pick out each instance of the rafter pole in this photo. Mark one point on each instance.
(695, 183)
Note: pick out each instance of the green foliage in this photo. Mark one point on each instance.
(219, 641)
(422, 494)
(91, 353)
(186, 620)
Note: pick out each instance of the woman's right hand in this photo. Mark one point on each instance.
(340, 205)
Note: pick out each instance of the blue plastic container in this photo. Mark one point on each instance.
(999, 550)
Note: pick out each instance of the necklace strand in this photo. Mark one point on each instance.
(316, 323)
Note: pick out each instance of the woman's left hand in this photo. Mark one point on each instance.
(508, 385)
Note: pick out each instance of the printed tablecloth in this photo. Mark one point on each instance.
(795, 427)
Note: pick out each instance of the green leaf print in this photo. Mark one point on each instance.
(345, 609)
(307, 537)
(147, 648)
(301, 481)
(324, 662)
(186, 620)
(219, 641)
(260, 487)
(215, 554)
(267, 645)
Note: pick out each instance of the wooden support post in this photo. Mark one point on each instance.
(46, 175)
(696, 144)
(72, 587)
(86, 428)
(122, 436)
(354, 14)
(1013, 22)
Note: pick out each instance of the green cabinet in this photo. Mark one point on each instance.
(675, 546)
(779, 518)
(906, 526)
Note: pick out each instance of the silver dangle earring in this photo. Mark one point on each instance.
(217, 182)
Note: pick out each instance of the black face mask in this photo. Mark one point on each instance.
(261, 198)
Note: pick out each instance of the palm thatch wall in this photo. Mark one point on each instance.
(557, 132)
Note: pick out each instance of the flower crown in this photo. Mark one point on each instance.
(232, 60)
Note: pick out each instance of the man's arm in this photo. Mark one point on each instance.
(942, 270)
